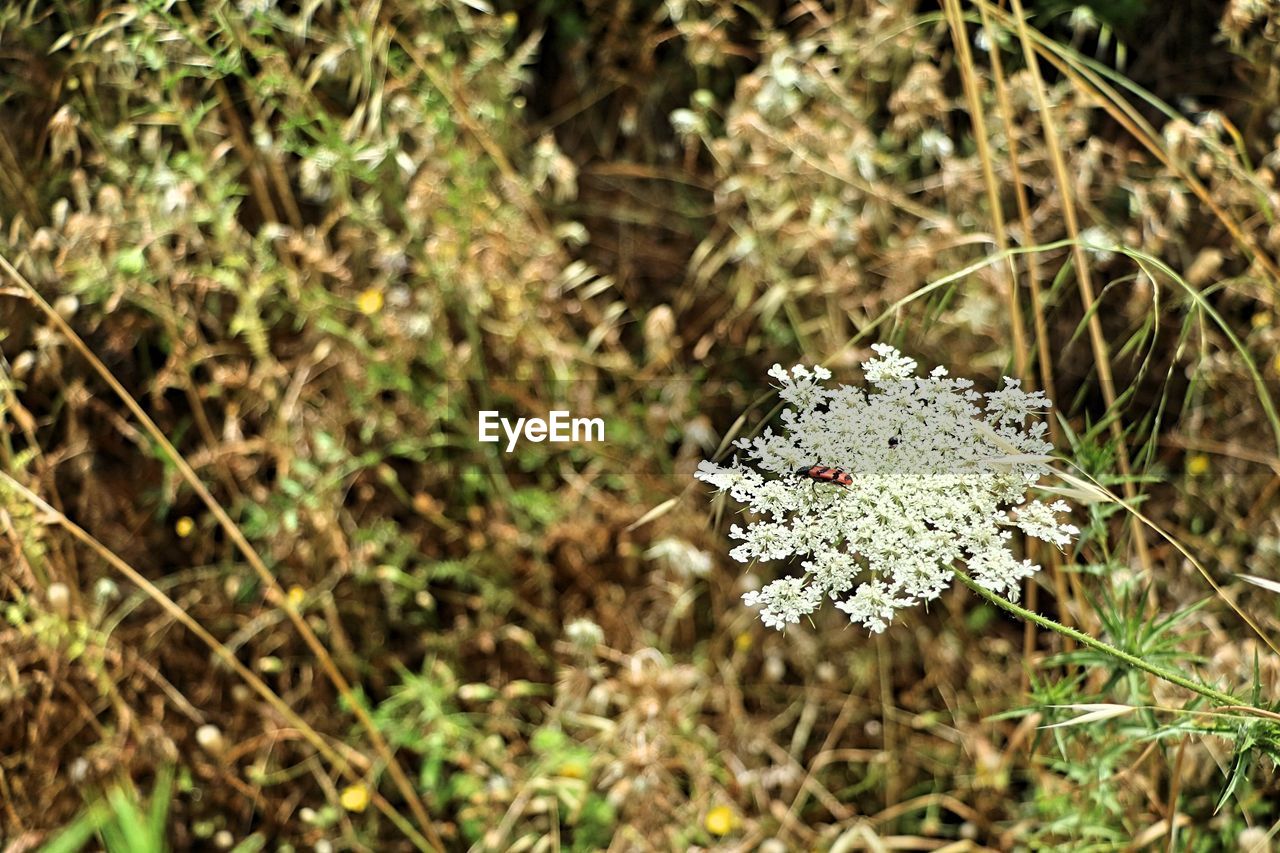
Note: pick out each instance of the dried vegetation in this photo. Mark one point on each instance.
(312, 239)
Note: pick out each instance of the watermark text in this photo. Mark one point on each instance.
(560, 427)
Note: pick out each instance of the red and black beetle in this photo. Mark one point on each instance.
(827, 474)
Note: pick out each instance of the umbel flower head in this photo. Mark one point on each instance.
(940, 478)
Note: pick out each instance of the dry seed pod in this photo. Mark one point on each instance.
(66, 305)
(59, 596)
(210, 739)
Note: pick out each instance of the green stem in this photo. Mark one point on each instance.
(1083, 639)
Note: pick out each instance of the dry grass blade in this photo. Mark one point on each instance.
(1152, 265)
(1086, 79)
(1264, 583)
(1091, 713)
(655, 513)
(969, 78)
(1085, 483)
(1024, 218)
(1043, 357)
(219, 649)
(1097, 339)
(255, 561)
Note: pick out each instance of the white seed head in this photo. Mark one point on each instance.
(584, 634)
(106, 590)
(23, 363)
(210, 739)
(1253, 839)
(59, 596)
(66, 305)
(684, 558)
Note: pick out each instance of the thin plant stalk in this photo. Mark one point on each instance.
(1169, 675)
(1082, 74)
(327, 664)
(969, 79)
(1084, 280)
(1044, 360)
(340, 764)
(1024, 218)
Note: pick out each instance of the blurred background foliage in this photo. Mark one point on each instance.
(313, 239)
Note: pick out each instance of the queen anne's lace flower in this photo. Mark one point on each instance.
(785, 600)
(940, 476)
(1040, 520)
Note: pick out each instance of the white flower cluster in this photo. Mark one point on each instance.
(938, 480)
(584, 633)
(685, 559)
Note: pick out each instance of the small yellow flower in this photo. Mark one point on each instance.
(721, 820)
(369, 301)
(1198, 465)
(1275, 364)
(296, 594)
(742, 642)
(354, 798)
(573, 770)
(184, 526)
(510, 19)
(1260, 320)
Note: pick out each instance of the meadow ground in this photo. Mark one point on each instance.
(265, 263)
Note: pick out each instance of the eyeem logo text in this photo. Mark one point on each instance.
(559, 428)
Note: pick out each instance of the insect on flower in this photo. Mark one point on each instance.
(941, 478)
(826, 474)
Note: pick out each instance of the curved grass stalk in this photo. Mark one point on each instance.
(1087, 75)
(1084, 280)
(1164, 673)
(339, 763)
(322, 656)
(1196, 297)
(973, 94)
(1089, 484)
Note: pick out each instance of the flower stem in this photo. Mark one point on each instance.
(1169, 675)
